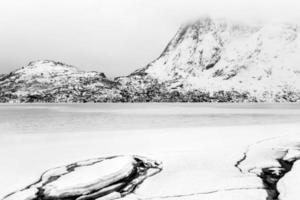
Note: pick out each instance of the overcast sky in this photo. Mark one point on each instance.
(113, 36)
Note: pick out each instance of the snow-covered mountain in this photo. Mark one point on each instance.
(228, 61)
(50, 81)
(210, 60)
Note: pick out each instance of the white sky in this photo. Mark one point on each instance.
(113, 36)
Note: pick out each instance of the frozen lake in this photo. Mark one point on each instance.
(55, 118)
(198, 144)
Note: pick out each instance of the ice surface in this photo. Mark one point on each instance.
(198, 162)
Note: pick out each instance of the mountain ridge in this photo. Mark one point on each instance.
(209, 60)
(214, 56)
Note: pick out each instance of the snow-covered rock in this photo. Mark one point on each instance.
(103, 178)
(275, 161)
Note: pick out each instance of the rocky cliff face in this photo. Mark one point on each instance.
(206, 61)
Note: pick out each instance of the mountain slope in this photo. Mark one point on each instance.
(221, 59)
(50, 81)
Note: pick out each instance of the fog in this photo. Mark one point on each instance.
(113, 36)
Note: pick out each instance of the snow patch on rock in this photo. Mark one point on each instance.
(102, 178)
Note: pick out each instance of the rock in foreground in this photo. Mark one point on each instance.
(271, 160)
(101, 178)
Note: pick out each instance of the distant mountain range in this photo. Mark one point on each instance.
(206, 61)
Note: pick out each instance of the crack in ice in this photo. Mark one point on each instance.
(202, 193)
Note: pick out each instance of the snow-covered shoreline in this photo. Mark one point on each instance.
(196, 161)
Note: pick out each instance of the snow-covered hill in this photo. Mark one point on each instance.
(210, 60)
(50, 81)
(221, 59)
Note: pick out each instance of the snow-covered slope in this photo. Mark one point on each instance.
(50, 81)
(260, 62)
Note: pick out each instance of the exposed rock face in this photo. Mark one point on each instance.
(206, 61)
(102, 178)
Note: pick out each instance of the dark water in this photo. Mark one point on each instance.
(56, 118)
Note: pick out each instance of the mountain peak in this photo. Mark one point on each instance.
(46, 67)
(217, 54)
(47, 62)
